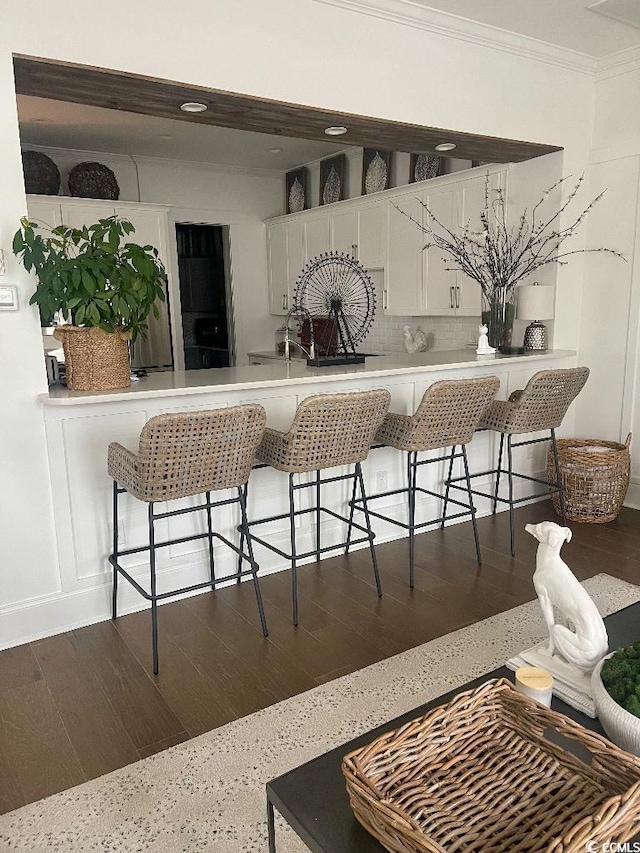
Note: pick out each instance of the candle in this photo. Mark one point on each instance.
(535, 683)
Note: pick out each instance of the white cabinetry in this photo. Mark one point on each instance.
(358, 232)
(151, 228)
(417, 281)
(380, 237)
(294, 240)
(285, 257)
(316, 234)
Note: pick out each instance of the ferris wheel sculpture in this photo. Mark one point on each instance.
(335, 291)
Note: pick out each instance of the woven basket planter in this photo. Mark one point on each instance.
(41, 175)
(95, 360)
(479, 774)
(93, 180)
(595, 477)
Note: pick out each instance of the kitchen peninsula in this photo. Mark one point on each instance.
(80, 426)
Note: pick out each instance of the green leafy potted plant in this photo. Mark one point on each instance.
(105, 286)
(616, 694)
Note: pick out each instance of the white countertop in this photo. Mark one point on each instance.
(281, 372)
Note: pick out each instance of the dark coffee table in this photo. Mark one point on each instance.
(313, 798)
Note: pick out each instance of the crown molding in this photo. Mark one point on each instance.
(618, 63)
(416, 15)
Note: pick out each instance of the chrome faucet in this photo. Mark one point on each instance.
(288, 341)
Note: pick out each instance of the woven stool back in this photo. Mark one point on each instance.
(190, 453)
(448, 414)
(542, 404)
(328, 430)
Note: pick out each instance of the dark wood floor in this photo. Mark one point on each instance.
(80, 704)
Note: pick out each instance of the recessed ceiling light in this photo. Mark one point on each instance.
(446, 146)
(335, 130)
(274, 150)
(193, 107)
(166, 136)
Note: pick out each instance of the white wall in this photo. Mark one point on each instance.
(396, 72)
(609, 407)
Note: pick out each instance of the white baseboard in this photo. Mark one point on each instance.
(632, 499)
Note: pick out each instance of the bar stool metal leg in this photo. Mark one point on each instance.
(498, 471)
(471, 504)
(242, 498)
(154, 601)
(318, 516)
(413, 479)
(210, 532)
(294, 566)
(114, 595)
(244, 491)
(365, 508)
(556, 464)
(512, 531)
(352, 507)
(447, 487)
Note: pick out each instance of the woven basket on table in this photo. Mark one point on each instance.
(478, 775)
(594, 475)
(95, 360)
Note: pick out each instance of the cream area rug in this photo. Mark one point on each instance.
(208, 794)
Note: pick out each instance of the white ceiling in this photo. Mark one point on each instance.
(59, 124)
(565, 23)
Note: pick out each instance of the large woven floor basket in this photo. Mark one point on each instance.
(95, 360)
(595, 478)
(478, 775)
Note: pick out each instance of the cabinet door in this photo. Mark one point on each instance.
(278, 267)
(370, 241)
(439, 283)
(316, 236)
(295, 256)
(151, 230)
(403, 273)
(344, 232)
(45, 213)
(78, 215)
(471, 203)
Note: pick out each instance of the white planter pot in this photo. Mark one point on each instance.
(622, 727)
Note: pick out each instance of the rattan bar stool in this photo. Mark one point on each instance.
(541, 406)
(328, 430)
(447, 417)
(180, 455)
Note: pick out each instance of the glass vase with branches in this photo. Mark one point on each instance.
(498, 256)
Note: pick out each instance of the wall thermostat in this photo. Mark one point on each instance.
(8, 297)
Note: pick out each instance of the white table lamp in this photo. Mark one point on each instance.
(536, 302)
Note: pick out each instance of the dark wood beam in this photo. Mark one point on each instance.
(117, 90)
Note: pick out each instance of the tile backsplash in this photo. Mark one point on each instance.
(386, 334)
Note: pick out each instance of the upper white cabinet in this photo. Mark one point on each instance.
(376, 232)
(285, 258)
(151, 228)
(316, 229)
(417, 281)
(357, 231)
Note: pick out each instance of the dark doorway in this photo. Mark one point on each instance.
(202, 264)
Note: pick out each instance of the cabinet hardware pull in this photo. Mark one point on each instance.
(384, 298)
(283, 305)
(457, 296)
(451, 297)
(354, 250)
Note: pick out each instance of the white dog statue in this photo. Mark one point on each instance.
(585, 642)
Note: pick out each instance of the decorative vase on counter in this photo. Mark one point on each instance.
(498, 313)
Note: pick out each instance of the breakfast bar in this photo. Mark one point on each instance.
(81, 425)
